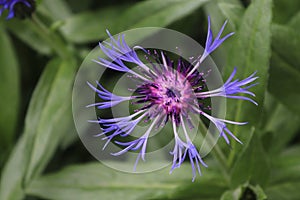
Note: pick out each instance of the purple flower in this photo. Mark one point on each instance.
(110, 99)
(20, 8)
(167, 92)
(211, 44)
(231, 88)
(188, 148)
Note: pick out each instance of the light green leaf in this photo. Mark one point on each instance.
(55, 119)
(55, 9)
(47, 109)
(157, 13)
(209, 190)
(252, 164)
(10, 93)
(91, 26)
(250, 52)
(91, 181)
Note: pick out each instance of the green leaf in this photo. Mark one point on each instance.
(285, 67)
(294, 23)
(252, 164)
(286, 89)
(283, 10)
(285, 38)
(284, 191)
(56, 9)
(278, 130)
(156, 13)
(250, 52)
(47, 133)
(286, 166)
(147, 13)
(91, 181)
(10, 90)
(47, 108)
(221, 10)
(209, 190)
(76, 29)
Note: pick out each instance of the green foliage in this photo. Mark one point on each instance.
(42, 159)
(252, 164)
(251, 44)
(119, 18)
(98, 180)
(245, 191)
(40, 137)
(285, 175)
(9, 106)
(251, 48)
(278, 131)
(76, 29)
(285, 66)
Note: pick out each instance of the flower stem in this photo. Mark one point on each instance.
(53, 40)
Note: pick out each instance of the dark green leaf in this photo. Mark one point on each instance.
(285, 38)
(286, 166)
(283, 83)
(10, 90)
(284, 191)
(250, 52)
(47, 109)
(252, 164)
(294, 23)
(284, 10)
(278, 130)
(285, 67)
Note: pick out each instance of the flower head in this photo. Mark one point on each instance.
(168, 92)
(17, 8)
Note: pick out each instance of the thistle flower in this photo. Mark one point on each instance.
(17, 8)
(168, 92)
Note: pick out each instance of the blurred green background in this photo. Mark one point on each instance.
(41, 156)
